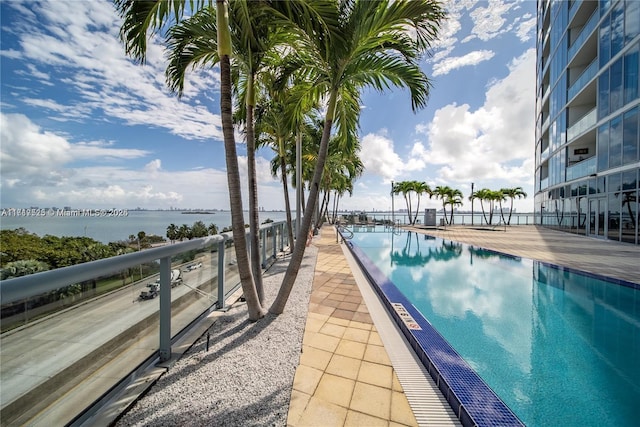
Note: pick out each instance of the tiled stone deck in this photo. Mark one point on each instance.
(345, 376)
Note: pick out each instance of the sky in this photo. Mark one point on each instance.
(83, 125)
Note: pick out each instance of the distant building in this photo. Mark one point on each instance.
(587, 160)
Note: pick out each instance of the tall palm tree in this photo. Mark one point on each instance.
(277, 121)
(139, 17)
(449, 196)
(420, 188)
(405, 188)
(365, 44)
(192, 43)
(172, 232)
(512, 193)
(490, 196)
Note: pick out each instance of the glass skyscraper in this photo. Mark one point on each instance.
(587, 117)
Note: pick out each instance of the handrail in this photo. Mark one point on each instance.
(342, 230)
(12, 290)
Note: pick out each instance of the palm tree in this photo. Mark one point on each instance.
(453, 201)
(358, 44)
(192, 43)
(420, 188)
(490, 196)
(405, 188)
(138, 18)
(512, 193)
(172, 232)
(449, 196)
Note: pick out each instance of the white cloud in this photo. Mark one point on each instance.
(527, 28)
(451, 63)
(81, 38)
(495, 141)
(489, 21)
(378, 156)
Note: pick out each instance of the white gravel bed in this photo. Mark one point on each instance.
(246, 376)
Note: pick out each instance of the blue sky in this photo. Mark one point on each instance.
(84, 126)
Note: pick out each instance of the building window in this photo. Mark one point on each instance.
(631, 20)
(605, 42)
(630, 140)
(603, 94)
(617, 28)
(603, 147)
(615, 142)
(616, 100)
(631, 75)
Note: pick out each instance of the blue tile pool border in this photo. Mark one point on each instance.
(471, 399)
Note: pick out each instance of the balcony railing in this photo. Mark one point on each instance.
(584, 34)
(64, 345)
(587, 121)
(582, 169)
(585, 77)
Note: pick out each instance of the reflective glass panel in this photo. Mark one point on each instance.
(630, 141)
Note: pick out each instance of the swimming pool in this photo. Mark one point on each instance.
(557, 346)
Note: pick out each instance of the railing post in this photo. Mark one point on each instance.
(263, 238)
(165, 309)
(275, 242)
(281, 231)
(221, 297)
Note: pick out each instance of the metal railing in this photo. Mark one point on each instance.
(55, 362)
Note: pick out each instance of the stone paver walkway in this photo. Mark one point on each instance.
(345, 377)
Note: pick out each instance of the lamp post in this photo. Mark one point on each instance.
(472, 197)
(393, 215)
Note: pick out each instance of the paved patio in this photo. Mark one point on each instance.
(345, 376)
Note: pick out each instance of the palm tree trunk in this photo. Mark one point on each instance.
(233, 173)
(298, 252)
(254, 219)
(451, 216)
(510, 212)
(484, 215)
(285, 187)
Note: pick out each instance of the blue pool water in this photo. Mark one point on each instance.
(558, 347)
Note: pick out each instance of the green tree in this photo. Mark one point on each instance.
(405, 188)
(199, 229)
(450, 197)
(184, 232)
(359, 44)
(512, 193)
(172, 233)
(420, 188)
(213, 229)
(22, 268)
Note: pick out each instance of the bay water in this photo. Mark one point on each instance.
(108, 227)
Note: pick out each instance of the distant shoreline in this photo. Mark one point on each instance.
(197, 212)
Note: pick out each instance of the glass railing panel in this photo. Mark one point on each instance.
(544, 183)
(584, 34)
(231, 274)
(194, 285)
(69, 336)
(582, 169)
(544, 155)
(80, 349)
(585, 77)
(587, 121)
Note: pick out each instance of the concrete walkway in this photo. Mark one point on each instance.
(345, 376)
